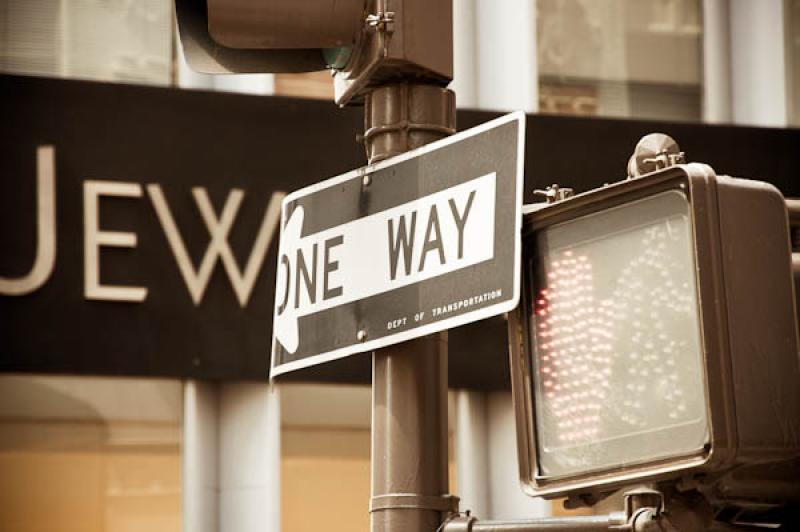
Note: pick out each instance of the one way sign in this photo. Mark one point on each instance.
(414, 245)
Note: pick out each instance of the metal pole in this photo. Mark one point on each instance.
(793, 212)
(599, 523)
(409, 380)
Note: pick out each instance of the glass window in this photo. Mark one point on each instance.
(85, 454)
(623, 58)
(88, 39)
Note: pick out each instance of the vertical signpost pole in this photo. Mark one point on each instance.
(409, 380)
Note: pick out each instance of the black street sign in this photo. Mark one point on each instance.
(423, 242)
(141, 165)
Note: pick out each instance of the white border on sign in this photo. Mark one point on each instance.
(448, 323)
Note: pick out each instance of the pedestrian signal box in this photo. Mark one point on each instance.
(656, 339)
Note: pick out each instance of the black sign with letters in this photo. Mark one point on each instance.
(139, 228)
(140, 225)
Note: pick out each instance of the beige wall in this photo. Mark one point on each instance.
(317, 85)
(89, 455)
(88, 488)
(325, 479)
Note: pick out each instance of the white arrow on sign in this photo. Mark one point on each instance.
(422, 239)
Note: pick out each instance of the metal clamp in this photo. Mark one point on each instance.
(407, 125)
(639, 498)
(654, 152)
(381, 21)
(403, 116)
(413, 501)
(554, 193)
(459, 523)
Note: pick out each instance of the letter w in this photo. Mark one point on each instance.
(401, 239)
(218, 247)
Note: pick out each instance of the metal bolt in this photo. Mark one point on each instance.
(362, 335)
(366, 180)
(381, 21)
(554, 193)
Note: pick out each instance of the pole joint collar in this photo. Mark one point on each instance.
(414, 501)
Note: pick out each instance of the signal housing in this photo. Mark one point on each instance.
(748, 321)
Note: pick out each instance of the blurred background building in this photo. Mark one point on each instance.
(127, 454)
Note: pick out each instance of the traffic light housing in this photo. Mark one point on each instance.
(204, 53)
(656, 340)
(364, 42)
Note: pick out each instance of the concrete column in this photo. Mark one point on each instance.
(507, 67)
(256, 84)
(758, 63)
(506, 500)
(249, 457)
(200, 451)
(465, 54)
(231, 457)
(472, 451)
(717, 103)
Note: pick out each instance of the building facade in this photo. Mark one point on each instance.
(103, 453)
